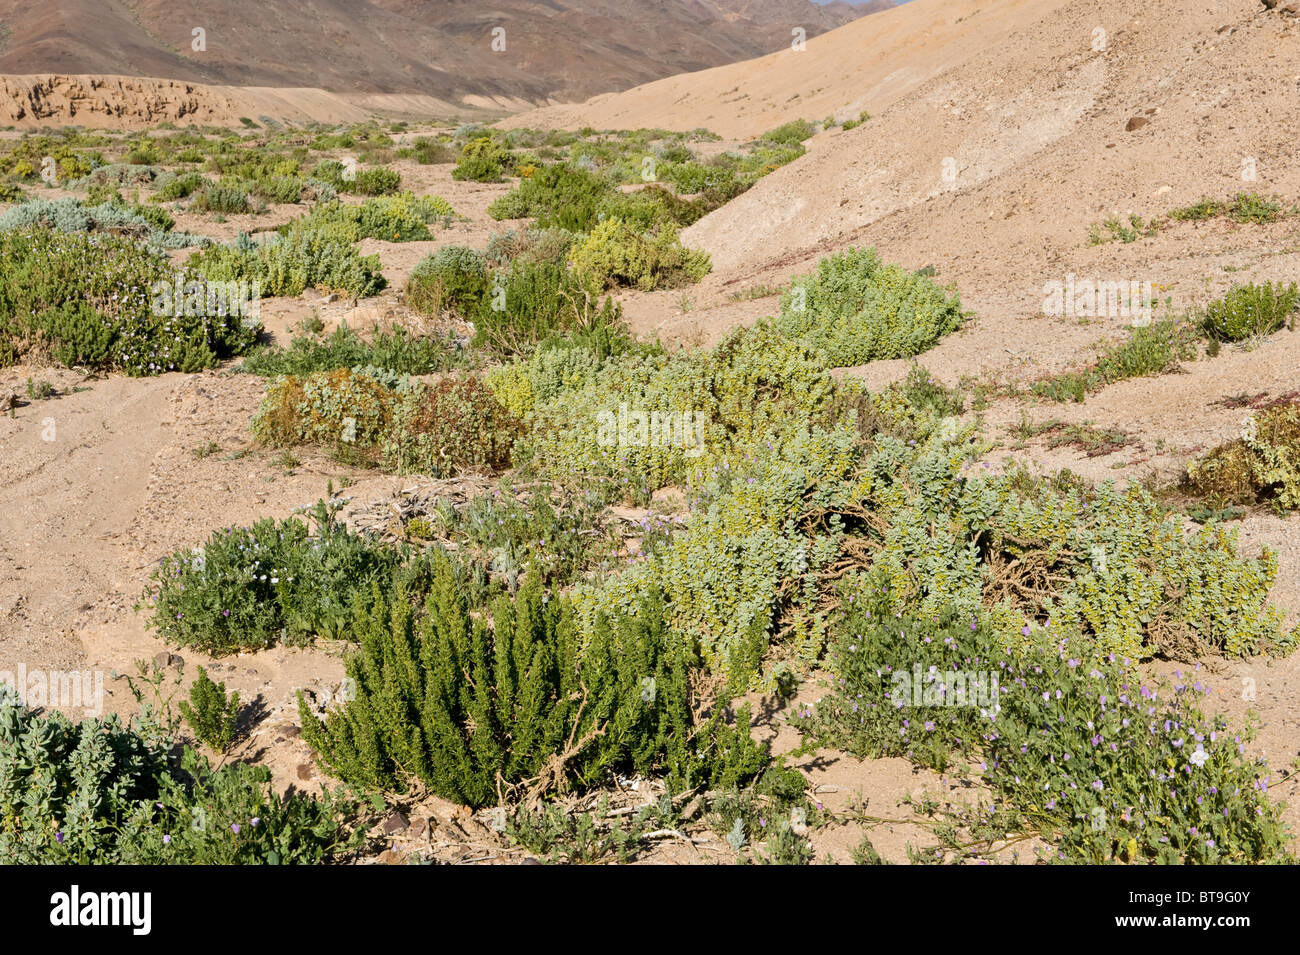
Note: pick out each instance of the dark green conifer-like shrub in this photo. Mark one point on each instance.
(479, 712)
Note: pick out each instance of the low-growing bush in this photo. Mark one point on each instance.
(1155, 349)
(529, 245)
(281, 189)
(210, 713)
(224, 199)
(399, 218)
(427, 151)
(145, 223)
(788, 134)
(1249, 310)
(532, 301)
(855, 310)
(553, 534)
(368, 416)
(483, 159)
(377, 181)
(302, 257)
(615, 253)
(1104, 767)
(275, 582)
(344, 410)
(450, 426)
(396, 350)
(1263, 465)
(100, 792)
(478, 713)
(648, 208)
(562, 196)
(171, 186)
(750, 573)
(87, 300)
(1244, 207)
(454, 278)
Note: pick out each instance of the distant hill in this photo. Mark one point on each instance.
(554, 50)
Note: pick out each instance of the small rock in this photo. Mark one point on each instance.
(530, 861)
(164, 659)
(331, 298)
(306, 771)
(396, 822)
(1135, 122)
(291, 731)
(419, 828)
(391, 857)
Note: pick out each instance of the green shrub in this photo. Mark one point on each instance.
(399, 218)
(539, 379)
(483, 159)
(1244, 207)
(69, 215)
(250, 588)
(374, 182)
(395, 350)
(178, 185)
(367, 182)
(1249, 207)
(322, 258)
(477, 713)
(427, 151)
(1205, 208)
(454, 278)
(753, 383)
(852, 123)
(1263, 465)
(648, 208)
(855, 310)
(1155, 349)
(617, 254)
(330, 171)
(788, 134)
(1124, 571)
(1106, 768)
(282, 189)
(1249, 310)
(532, 301)
(749, 573)
(225, 199)
(155, 216)
(88, 300)
(561, 196)
(211, 714)
(554, 534)
(1112, 229)
(102, 793)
